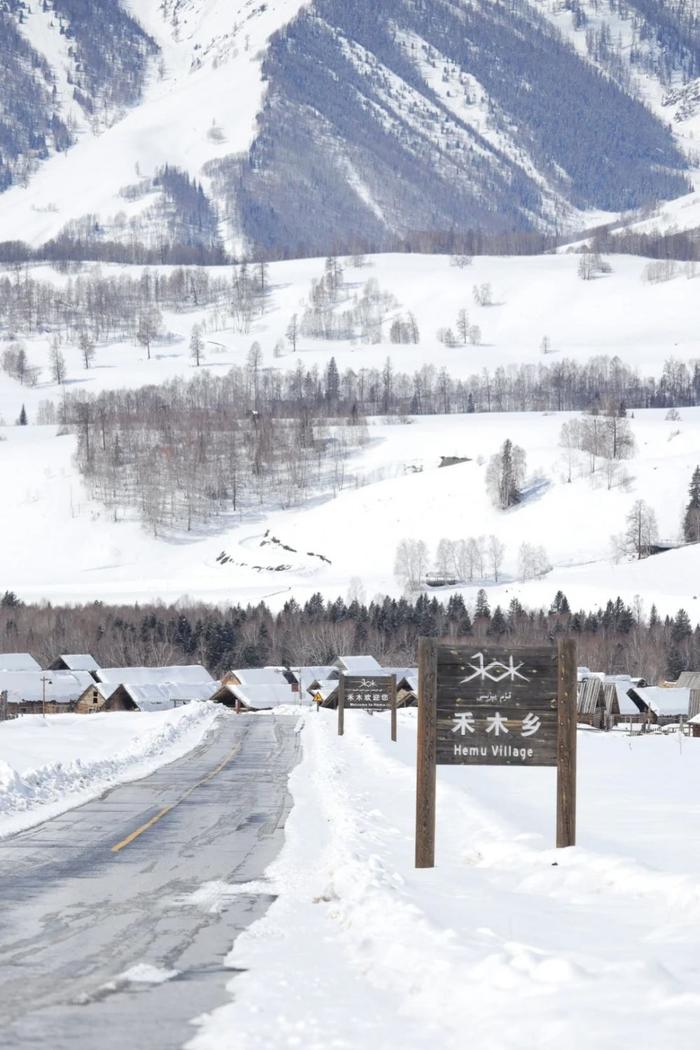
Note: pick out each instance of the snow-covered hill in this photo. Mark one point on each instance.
(376, 121)
(60, 544)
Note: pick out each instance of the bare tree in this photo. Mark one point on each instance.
(641, 531)
(149, 326)
(496, 552)
(57, 364)
(411, 563)
(196, 345)
(87, 347)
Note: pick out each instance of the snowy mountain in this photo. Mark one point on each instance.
(212, 125)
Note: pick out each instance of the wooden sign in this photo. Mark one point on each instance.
(495, 706)
(367, 693)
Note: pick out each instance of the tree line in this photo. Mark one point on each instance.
(617, 637)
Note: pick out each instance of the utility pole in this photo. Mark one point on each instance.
(44, 681)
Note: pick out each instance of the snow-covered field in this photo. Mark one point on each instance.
(507, 942)
(61, 546)
(58, 544)
(50, 765)
(616, 315)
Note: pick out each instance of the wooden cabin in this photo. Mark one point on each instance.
(43, 692)
(256, 697)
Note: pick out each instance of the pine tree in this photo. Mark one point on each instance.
(482, 610)
(22, 421)
(498, 625)
(681, 628)
(691, 520)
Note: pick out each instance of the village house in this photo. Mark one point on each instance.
(256, 697)
(666, 705)
(146, 688)
(43, 692)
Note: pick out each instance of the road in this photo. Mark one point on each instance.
(107, 887)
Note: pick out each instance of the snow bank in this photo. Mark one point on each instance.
(49, 765)
(507, 942)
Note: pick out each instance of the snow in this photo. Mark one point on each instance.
(18, 662)
(193, 674)
(383, 500)
(56, 686)
(507, 942)
(52, 764)
(206, 75)
(266, 697)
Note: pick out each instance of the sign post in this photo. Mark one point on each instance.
(341, 706)
(566, 746)
(497, 707)
(367, 693)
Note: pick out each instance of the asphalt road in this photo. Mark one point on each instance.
(107, 887)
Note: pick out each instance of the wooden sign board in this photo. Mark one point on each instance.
(367, 693)
(482, 705)
(496, 707)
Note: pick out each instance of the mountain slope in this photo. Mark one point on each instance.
(311, 124)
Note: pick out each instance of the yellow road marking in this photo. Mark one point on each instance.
(167, 809)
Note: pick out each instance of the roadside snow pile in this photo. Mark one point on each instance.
(49, 765)
(507, 943)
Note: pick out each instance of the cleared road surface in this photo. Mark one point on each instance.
(107, 887)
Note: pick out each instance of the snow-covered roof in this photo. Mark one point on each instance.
(18, 662)
(152, 696)
(62, 687)
(79, 661)
(190, 673)
(260, 676)
(668, 703)
(617, 689)
(308, 674)
(261, 697)
(358, 664)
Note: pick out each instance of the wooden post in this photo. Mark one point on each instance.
(566, 745)
(393, 708)
(426, 758)
(341, 705)
(238, 706)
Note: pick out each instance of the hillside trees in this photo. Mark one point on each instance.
(186, 452)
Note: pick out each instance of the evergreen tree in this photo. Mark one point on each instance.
(506, 474)
(691, 520)
(681, 628)
(498, 625)
(482, 610)
(22, 421)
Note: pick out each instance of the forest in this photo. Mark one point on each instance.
(616, 638)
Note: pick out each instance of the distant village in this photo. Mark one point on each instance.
(75, 683)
